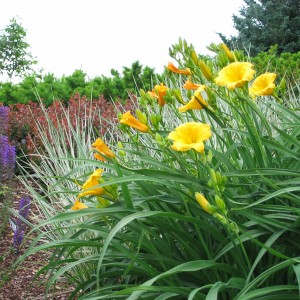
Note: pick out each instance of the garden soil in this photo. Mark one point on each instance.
(18, 284)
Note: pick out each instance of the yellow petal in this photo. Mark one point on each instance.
(173, 69)
(189, 85)
(78, 205)
(197, 101)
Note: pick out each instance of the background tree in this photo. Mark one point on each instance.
(15, 58)
(264, 23)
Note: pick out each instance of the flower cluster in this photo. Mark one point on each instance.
(190, 135)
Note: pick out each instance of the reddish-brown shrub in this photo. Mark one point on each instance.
(23, 118)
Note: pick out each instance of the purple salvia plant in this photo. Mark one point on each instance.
(7, 158)
(4, 120)
(18, 238)
(24, 206)
(19, 226)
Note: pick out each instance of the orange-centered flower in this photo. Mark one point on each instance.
(197, 101)
(189, 85)
(101, 147)
(90, 187)
(235, 75)
(78, 205)
(159, 92)
(131, 121)
(173, 69)
(190, 136)
(263, 85)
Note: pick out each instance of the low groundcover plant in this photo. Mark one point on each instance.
(198, 196)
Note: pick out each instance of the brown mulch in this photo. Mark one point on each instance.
(18, 284)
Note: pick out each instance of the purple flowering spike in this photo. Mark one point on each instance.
(18, 238)
(4, 120)
(24, 206)
(7, 158)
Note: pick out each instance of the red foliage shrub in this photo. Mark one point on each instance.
(23, 119)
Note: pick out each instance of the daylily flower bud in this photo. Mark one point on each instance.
(205, 70)
(230, 55)
(222, 59)
(221, 180)
(220, 203)
(213, 177)
(221, 218)
(282, 85)
(102, 202)
(141, 116)
(194, 57)
(154, 120)
(120, 147)
(143, 93)
(206, 206)
(212, 99)
(178, 96)
(158, 137)
(111, 191)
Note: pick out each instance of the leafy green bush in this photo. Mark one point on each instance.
(286, 65)
(49, 88)
(195, 197)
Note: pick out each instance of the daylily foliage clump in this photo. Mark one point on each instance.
(197, 195)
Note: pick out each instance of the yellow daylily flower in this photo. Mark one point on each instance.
(206, 206)
(130, 120)
(173, 69)
(101, 147)
(235, 75)
(87, 187)
(190, 135)
(189, 85)
(197, 101)
(159, 92)
(263, 85)
(78, 205)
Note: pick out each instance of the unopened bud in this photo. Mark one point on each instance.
(102, 202)
(154, 120)
(178, 96)
(282, 85)
(205, 70)
(213, 177)
(194, 57)
(206, 206)
(220, 203)
(230, 55)
(141, 116)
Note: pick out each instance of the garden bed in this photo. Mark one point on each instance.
(17, 284)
